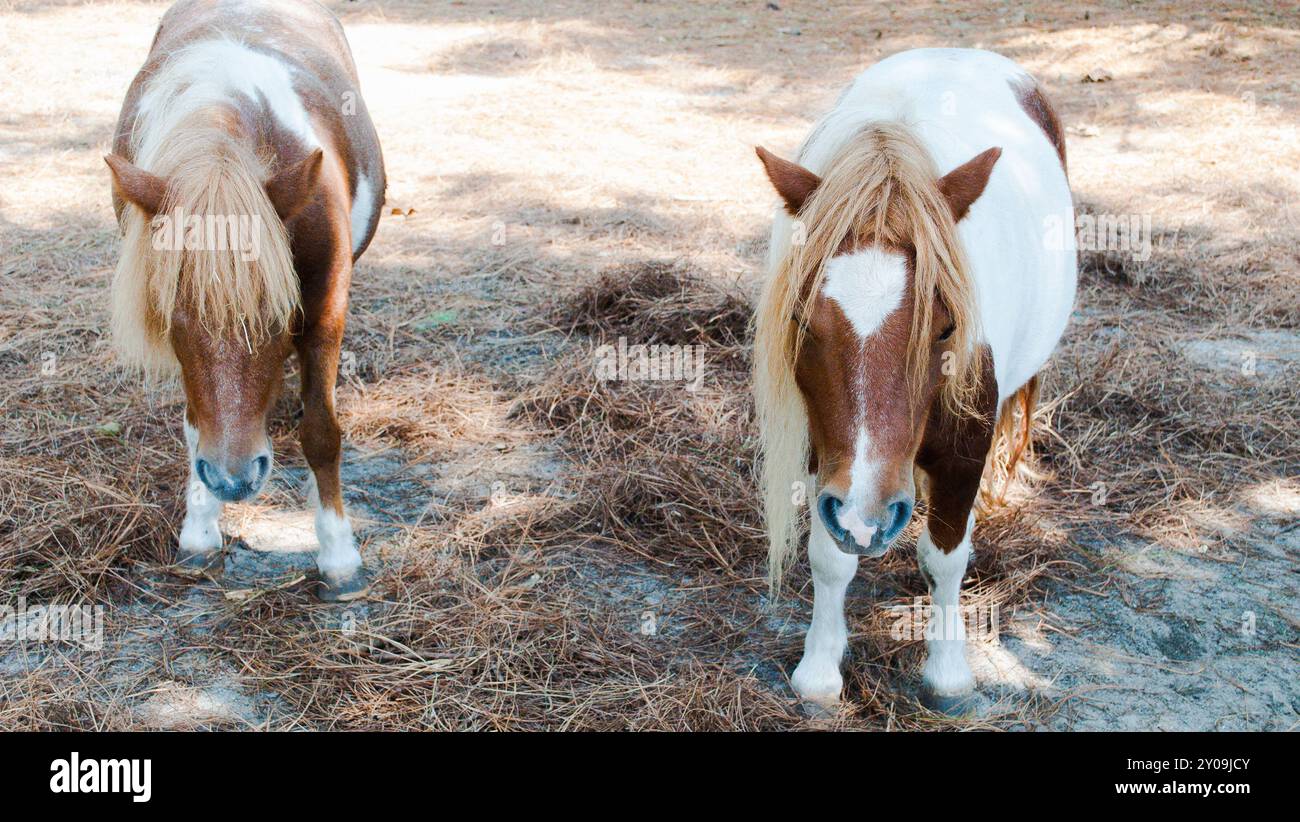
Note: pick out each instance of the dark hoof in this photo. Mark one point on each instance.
(353, 588)
(817, 711)
(195, 565)
(954, 706)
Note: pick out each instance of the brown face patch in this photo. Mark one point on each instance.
(828, 372)
(229, 389)
(1035, 104)
(849, 384)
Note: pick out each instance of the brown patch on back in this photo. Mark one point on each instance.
(308, 38)
(1035, 104)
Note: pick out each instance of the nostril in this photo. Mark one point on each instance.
(205, 472)
(261, 466)
(899, 514)
(828, 507)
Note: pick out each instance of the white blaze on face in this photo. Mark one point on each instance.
(868, 286)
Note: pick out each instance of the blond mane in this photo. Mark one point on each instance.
(882, 183)
(210, 172)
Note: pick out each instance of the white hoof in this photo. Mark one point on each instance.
(199, 537)
(818, 683)
(949, 677)
(947, 686)
(338, 559)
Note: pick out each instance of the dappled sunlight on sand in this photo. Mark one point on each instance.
(994, 665)
(1279, 498)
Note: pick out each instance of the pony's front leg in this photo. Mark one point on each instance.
(817, 677)
(946, 681)
(199, 551)
(339, 561)
(952, 456)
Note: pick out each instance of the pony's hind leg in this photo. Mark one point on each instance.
(817, 677)
(339, 562)
(200, 544)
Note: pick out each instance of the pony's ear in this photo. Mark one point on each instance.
(135, 185)
(292, 188)
(792, 181)
(965, 183)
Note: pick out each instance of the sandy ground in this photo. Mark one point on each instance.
(531, 146)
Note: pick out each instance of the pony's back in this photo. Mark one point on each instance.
(232, 92)
(1019, 235)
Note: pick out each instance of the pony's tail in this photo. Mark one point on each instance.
(1011, 454)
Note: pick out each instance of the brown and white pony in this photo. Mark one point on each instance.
(247, 180)
(922, 273)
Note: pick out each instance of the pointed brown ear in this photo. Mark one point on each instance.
(792, 181)
(135, 185)
(292, 188)
(965, 183)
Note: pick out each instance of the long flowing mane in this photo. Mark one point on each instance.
(210, 172)
(881, 183)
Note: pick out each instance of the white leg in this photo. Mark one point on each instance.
(201, 529)
(817, 678)
(338, 558)
(946, 672)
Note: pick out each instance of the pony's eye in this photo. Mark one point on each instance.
(947, 332)
(805, 330)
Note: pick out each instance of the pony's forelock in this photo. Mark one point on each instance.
(209, 174)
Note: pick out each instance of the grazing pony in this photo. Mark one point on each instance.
(247, 180)
(922, 274)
